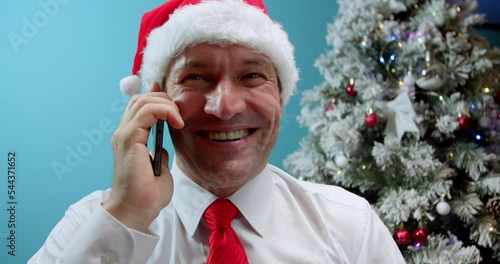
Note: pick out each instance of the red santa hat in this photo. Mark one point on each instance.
(170, 28)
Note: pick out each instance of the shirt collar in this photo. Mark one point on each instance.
(254, 200)
(190, 200)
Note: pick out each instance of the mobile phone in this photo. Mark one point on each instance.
(157, 134)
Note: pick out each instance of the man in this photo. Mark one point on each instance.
(228, 71)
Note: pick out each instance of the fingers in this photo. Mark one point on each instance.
(152, 106)
(142, 112)
(150, 113)
(154, 91)
(139, 101)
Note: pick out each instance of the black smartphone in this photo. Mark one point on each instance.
(157, 134)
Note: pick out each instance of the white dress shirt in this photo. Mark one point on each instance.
(281, 220)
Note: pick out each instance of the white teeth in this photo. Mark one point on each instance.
(228, 136)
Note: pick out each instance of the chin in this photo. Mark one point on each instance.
(228, 174)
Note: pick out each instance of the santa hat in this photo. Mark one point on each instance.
(169, 29)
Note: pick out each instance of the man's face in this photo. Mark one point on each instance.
(229, 100)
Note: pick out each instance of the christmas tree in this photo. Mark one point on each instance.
(408, 117)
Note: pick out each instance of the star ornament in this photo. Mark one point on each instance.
(401, 117)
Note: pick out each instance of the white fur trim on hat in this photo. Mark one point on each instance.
(220, 22)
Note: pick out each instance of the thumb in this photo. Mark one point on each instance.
(165, 180)
(164, 162)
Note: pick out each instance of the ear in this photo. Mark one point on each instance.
(282, 107)
(155, 87)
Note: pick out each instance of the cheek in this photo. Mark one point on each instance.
(267, 104)
(188, 103)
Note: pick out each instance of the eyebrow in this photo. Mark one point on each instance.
(189, 65)
(195, 64)
(254, 61)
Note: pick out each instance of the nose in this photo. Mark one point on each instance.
(225, 100)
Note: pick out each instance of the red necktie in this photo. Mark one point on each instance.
(225, 246)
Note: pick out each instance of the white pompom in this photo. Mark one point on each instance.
(443, 208)
(485, 122)
(131, 85)
(341, 161)
(453, 12)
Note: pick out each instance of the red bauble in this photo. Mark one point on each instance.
(330, 107)
(371, 120)
(350, 90)
(402, 236)
(420, 235)
(496, 97)
(464, 122)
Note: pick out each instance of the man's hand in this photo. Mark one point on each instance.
(137, 195)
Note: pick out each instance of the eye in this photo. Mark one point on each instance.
(194, 77)
(196, 81)
(253, 75)
(253, 79)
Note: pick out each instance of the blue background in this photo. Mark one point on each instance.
(491, 8)
(59, 83)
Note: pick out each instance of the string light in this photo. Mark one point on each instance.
(366, 41)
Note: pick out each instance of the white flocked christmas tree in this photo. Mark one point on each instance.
(408, 116)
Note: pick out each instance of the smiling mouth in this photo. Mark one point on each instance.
(226, 136)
